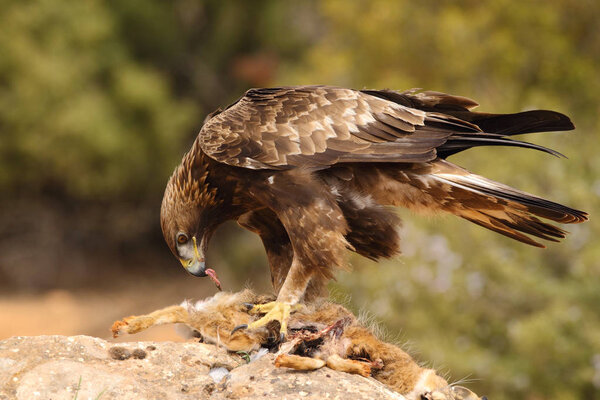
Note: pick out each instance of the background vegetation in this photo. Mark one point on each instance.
(100, 99)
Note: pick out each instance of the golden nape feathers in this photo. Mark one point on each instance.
(320, 334)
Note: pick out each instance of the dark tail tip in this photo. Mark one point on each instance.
(526, 122)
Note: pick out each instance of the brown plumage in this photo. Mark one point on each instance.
(310, 169)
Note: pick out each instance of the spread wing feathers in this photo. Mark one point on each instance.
(499, 207)
(496, 126)
(320, 126)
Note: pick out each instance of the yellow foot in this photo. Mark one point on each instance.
(275, 311)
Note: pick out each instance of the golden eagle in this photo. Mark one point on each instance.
(311, 169)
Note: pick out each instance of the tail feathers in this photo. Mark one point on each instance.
(459, 107)
(473, 129)
(517, 123)
(505, 210)
(496, 127)
(516, 225)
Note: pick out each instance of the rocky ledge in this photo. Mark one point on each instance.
(84, 367)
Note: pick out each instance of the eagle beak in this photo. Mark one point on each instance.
(196, 265)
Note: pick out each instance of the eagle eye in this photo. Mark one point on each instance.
(182, 238)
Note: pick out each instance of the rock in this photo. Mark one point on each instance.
(83, 367)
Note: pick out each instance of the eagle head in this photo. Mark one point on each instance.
(188, 214)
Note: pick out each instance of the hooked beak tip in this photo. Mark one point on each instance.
(195, 267)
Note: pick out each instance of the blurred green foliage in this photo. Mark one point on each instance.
(99, 100)
(78, 113)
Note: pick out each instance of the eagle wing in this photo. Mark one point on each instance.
(320, 126)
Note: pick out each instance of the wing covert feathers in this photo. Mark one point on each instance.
(319, 126)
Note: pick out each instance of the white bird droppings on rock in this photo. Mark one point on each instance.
(217, 374)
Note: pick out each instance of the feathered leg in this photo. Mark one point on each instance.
(278, 247)
(315, 226)
(275, 239)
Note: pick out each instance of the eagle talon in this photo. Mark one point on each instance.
(274, 311)
(238, 328)
(249, 306)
